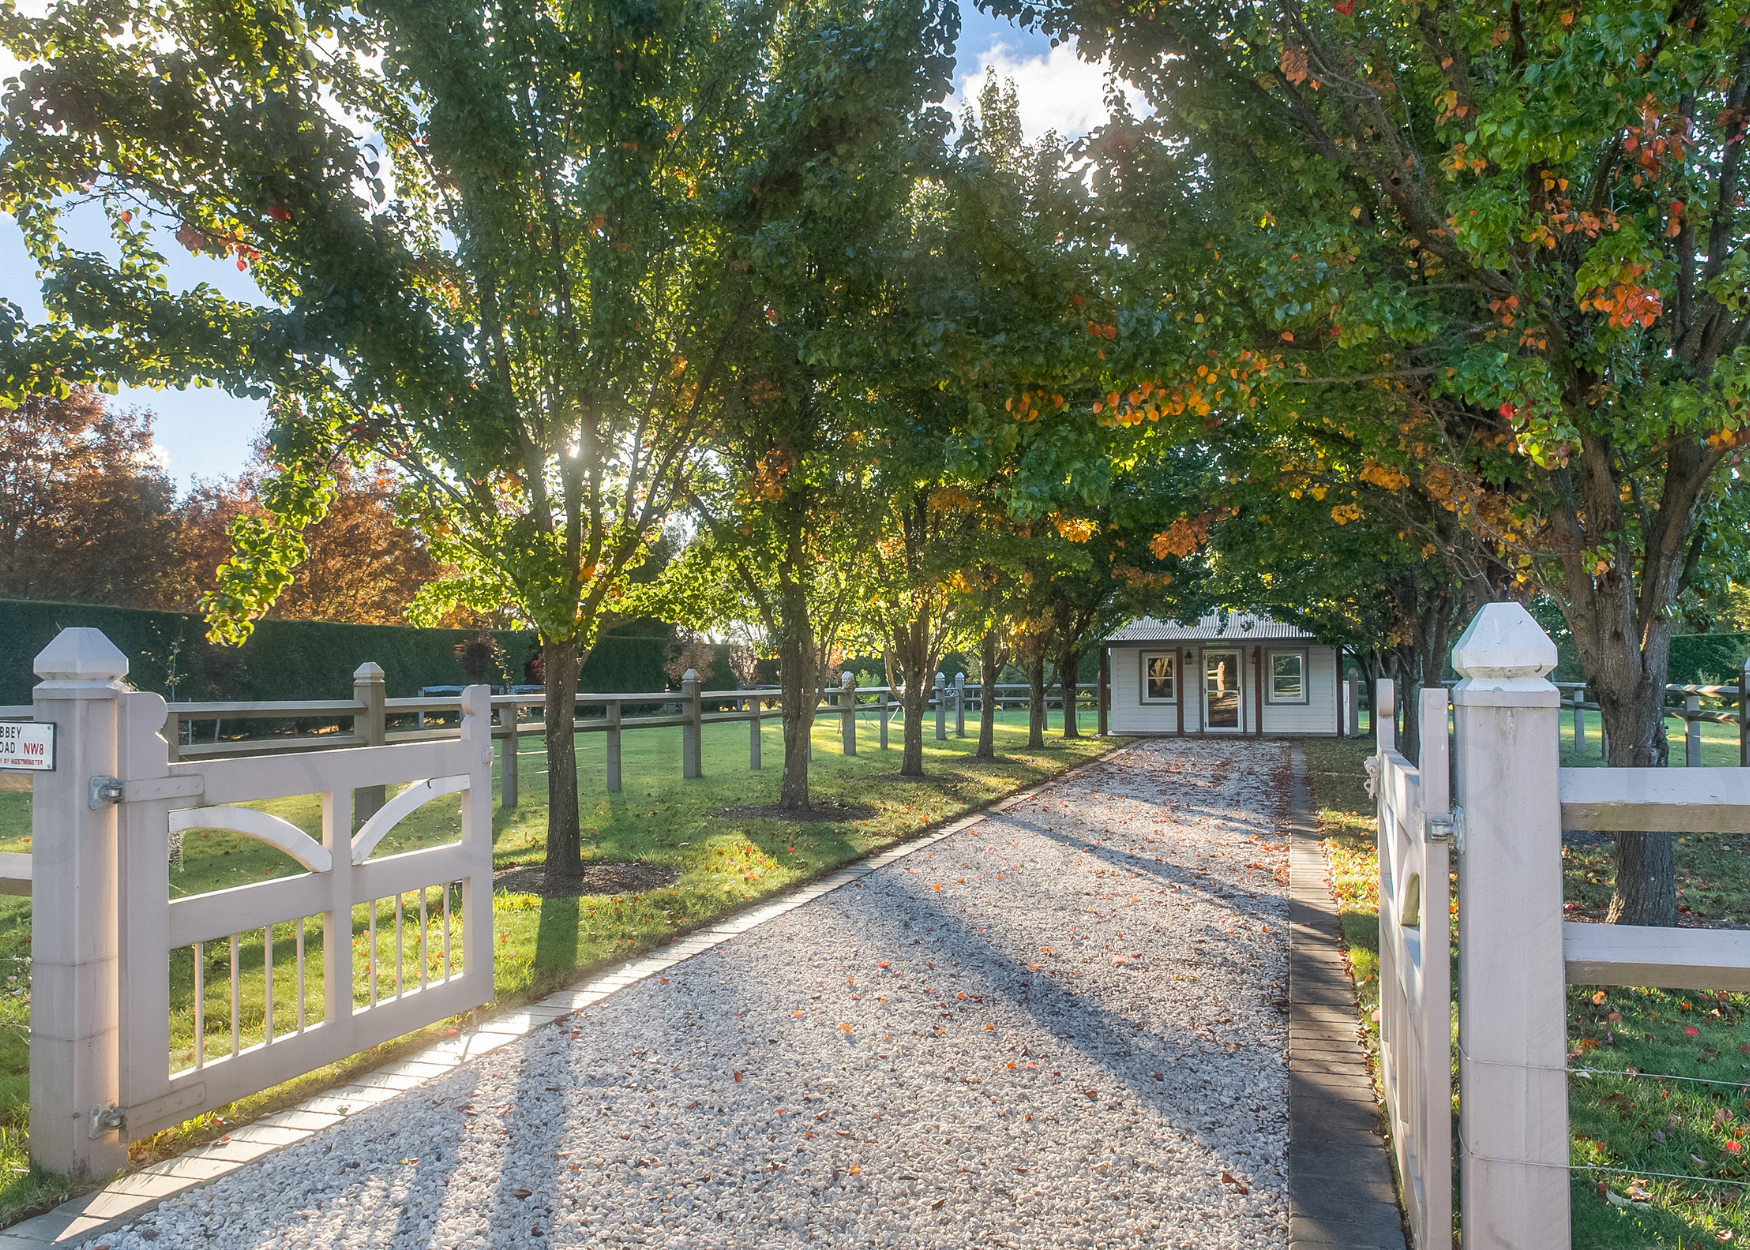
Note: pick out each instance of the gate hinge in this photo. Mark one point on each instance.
(1450, 827)
(107, 1120)
(106, 792)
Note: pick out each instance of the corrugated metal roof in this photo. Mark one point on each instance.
(1228, 627)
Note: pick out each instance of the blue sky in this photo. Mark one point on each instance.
(207, 433)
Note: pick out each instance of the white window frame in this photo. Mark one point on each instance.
(1270, 695)
(1142, 659)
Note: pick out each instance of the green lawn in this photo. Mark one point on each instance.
(724, 865)
(1719, 743)
(1638, 1124)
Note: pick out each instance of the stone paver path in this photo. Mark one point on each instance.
(1062, 1026)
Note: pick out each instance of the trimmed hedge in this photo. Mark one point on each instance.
(1708, 659)
(304, 659)
(1696, 659)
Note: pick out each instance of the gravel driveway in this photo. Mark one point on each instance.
(1064, 1026)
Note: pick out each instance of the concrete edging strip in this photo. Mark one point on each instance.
(1340, 1190)
(129, 1197)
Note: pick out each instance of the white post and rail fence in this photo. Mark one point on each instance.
(147, 1010)
(1502, 822)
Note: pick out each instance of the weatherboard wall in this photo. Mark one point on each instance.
(1131, 714)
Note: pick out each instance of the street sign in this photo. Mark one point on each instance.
(26, 747)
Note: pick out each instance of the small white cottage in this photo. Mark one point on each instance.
(1230, 673)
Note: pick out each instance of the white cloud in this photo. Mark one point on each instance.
(1058, 90)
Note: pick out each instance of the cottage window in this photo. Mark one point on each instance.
(1158, 679)
(1288, 677)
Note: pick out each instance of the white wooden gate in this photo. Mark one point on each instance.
(1415, 975)
(434, 886)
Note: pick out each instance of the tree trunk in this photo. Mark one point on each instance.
(1036, 701)
(1619, 614)
(914, 698)
(796, 679)
(1404, 674)
(988, 672)
(564, 844)
(1634, 721)
(1068, 663)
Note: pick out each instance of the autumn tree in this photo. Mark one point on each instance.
(531, 289)
(1527, 220)
(87, 513)
(785, 503)
(909, 605)
(360, 563)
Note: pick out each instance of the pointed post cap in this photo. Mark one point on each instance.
(1503, 648)
(368, 672)
(81, 658)
(848, 680)
(941, 678)
(690, 677)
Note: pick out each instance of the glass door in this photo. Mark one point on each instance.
(1221, 690)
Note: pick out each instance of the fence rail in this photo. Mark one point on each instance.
(1516, 954)
(374, 718)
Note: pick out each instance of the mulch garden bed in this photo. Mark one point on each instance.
(823, 811)
(613, 877)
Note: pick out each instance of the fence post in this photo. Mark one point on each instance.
(959, 705)
(1512, 1040)
(613, 749)
(368, 688)
(690, 763)
(941, 707)
(1744, 715)
(1691, 732)
(75, 992)
(507, 757)
(848, 711)
(1101, 697)
(753, 734)
(1580, 721)
(884, 714)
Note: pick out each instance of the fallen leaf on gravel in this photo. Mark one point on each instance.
(1098, 1166)
(520, 1193)
(845, 1027)
(1091, 1093)
(882, 964)
(738, 1078)
(1159, 1077)
(855, 1168)
(937, 1204)
(1228, 1180)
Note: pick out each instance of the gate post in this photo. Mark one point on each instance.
(368, 689)
(75, 911)
(884, 713)
(848, 712)
(1512, 1030)
(1692, 731)
(941, 706)
(694, 710)
(959, 705)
